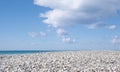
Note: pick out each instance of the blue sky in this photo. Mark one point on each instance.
(59, 25)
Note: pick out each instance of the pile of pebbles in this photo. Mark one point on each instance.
(71, 61)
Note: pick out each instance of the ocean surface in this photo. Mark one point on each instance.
(26, 51)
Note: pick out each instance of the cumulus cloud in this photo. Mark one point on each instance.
(116, 40)
(71, 12)
(89, 13)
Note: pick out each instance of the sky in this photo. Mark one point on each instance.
(60, 25)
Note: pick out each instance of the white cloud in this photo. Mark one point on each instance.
(70, 12)
(61, 32)
(32, 34)
(112, 27)
(101, 25)
(116, 40)
(36, 34)
(64, 36)
(68, 40)
(42, 34)
(90, 13)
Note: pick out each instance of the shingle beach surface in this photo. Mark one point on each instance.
(69, 61)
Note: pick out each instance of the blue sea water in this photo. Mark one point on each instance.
(26, 51)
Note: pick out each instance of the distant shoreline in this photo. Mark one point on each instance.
(26, 51)
(41, 51)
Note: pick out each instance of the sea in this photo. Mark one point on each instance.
(26, 51)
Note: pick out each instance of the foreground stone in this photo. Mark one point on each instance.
(71, 61)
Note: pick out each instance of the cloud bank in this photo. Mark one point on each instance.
(89, 13)
(71, 12)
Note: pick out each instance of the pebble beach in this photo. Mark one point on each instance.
(68, 61)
